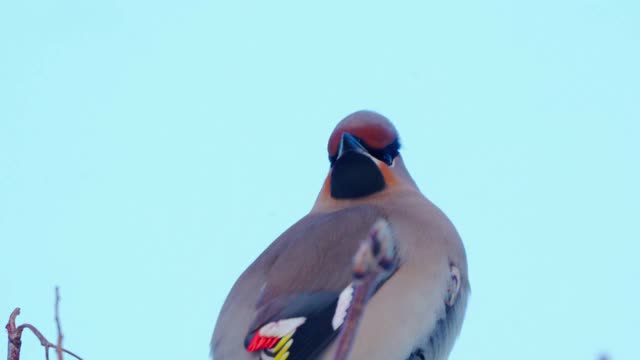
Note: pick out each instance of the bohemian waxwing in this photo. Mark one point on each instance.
(291, 302)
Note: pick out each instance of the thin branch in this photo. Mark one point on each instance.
(15, 335)
(36, 332)
(373, 263)
(60, 336)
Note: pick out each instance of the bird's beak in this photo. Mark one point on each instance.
(350, 143)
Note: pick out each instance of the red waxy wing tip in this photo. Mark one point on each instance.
(262, 342)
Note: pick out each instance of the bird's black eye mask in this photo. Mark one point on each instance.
(386, 154)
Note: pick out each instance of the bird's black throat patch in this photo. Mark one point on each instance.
(355, 175)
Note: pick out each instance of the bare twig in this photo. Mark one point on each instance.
(60, 336)
(15, 336)
(373, 263)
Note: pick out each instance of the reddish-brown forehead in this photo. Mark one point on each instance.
(374, 129)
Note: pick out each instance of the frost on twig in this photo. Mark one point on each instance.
(15, 335)
(373, 263)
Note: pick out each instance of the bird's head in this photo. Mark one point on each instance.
(365, 159)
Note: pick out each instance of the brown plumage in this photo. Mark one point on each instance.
(418, 310)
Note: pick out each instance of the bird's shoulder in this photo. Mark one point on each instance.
(315, 253)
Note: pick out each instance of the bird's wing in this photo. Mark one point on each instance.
(302, 327)
(305, 280)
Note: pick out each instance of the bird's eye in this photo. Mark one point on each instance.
(383, 156)
(387, 159)
(386, 154)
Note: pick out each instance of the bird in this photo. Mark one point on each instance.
(292, 301)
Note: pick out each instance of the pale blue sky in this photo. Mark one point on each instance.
(150, 150)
